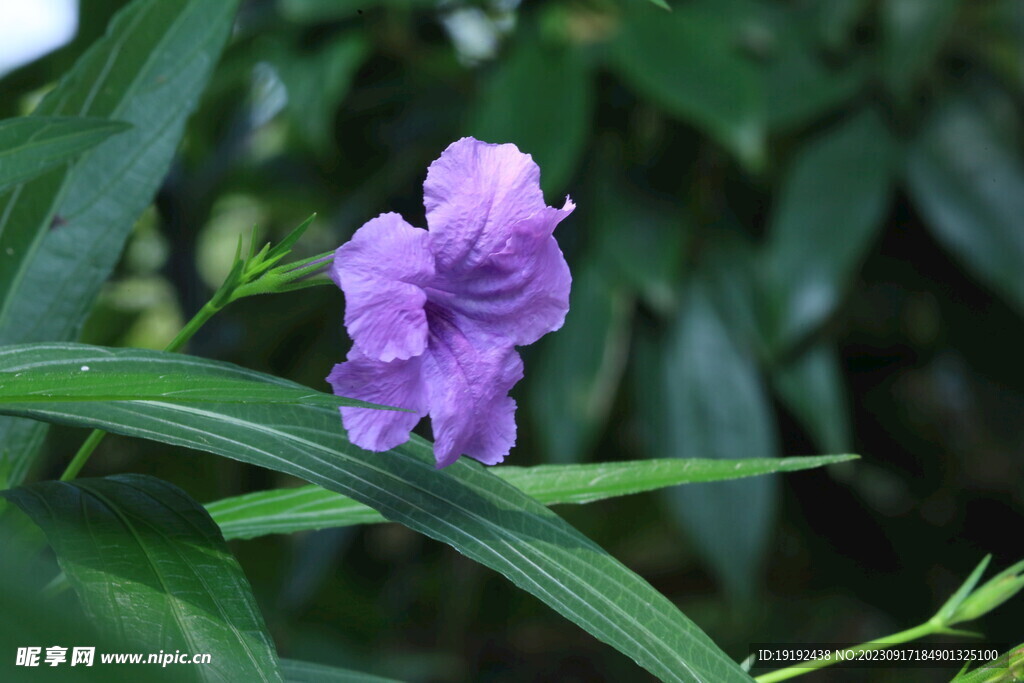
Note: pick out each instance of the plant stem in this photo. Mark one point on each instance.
(926, 629)
(82, 456)
(208, 310)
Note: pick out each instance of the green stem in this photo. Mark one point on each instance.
(926, 629)
(209, 309)
(82, 456)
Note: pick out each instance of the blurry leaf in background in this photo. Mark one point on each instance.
(31, 145)
(306, 508)
(999, 38)
(317, 81)
(730, 272)
(152, 569)
(912, 33)
(715, 407)
(539, 97)
(798, 84)
(690, 62)
(578, 369)
(313, 11)
(969, 185)
(835, 20)
(643, 241)
(811, 387)
(833, 202)
(464, 505)
(148, 71)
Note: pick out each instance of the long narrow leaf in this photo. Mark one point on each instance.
(91, 384)
(33, 144)
(464, 505)
(62, 232)
(305, 508)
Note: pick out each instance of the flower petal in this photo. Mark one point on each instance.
(520, 293)
(382, 271)
(468, 378)
(474, 193)
(398, 383)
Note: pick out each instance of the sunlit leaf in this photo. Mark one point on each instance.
(65, 382)
(308, 508)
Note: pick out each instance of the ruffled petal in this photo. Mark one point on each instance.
(474, 194)
(468, 378)
(520, 293)
(382, 271)
(398, 383)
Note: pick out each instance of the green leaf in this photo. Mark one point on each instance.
(969, 186)
(716, 408)
(578, 370)
(1007, 668)
(295, 671)
(540, 98)
(811, 386)
(308, 508)
(31, 145)
(30, 621)
(688, 63)
(150, 566)
(951, 605)
(833, 201)
(317, 81)
(640, 238)
(835, 20)
(316, 11)
(64, 382)
(463, 505)
(798, 84)
(912, 33)
(148, 70)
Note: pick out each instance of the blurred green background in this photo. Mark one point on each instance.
(800, 229)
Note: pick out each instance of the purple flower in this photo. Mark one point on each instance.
(435, 315)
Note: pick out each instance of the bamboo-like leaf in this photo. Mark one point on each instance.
(62, 232)
(33, 144)
(306, 508)
(88, 383)
(464, 505)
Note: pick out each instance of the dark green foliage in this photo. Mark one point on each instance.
(799, 229)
